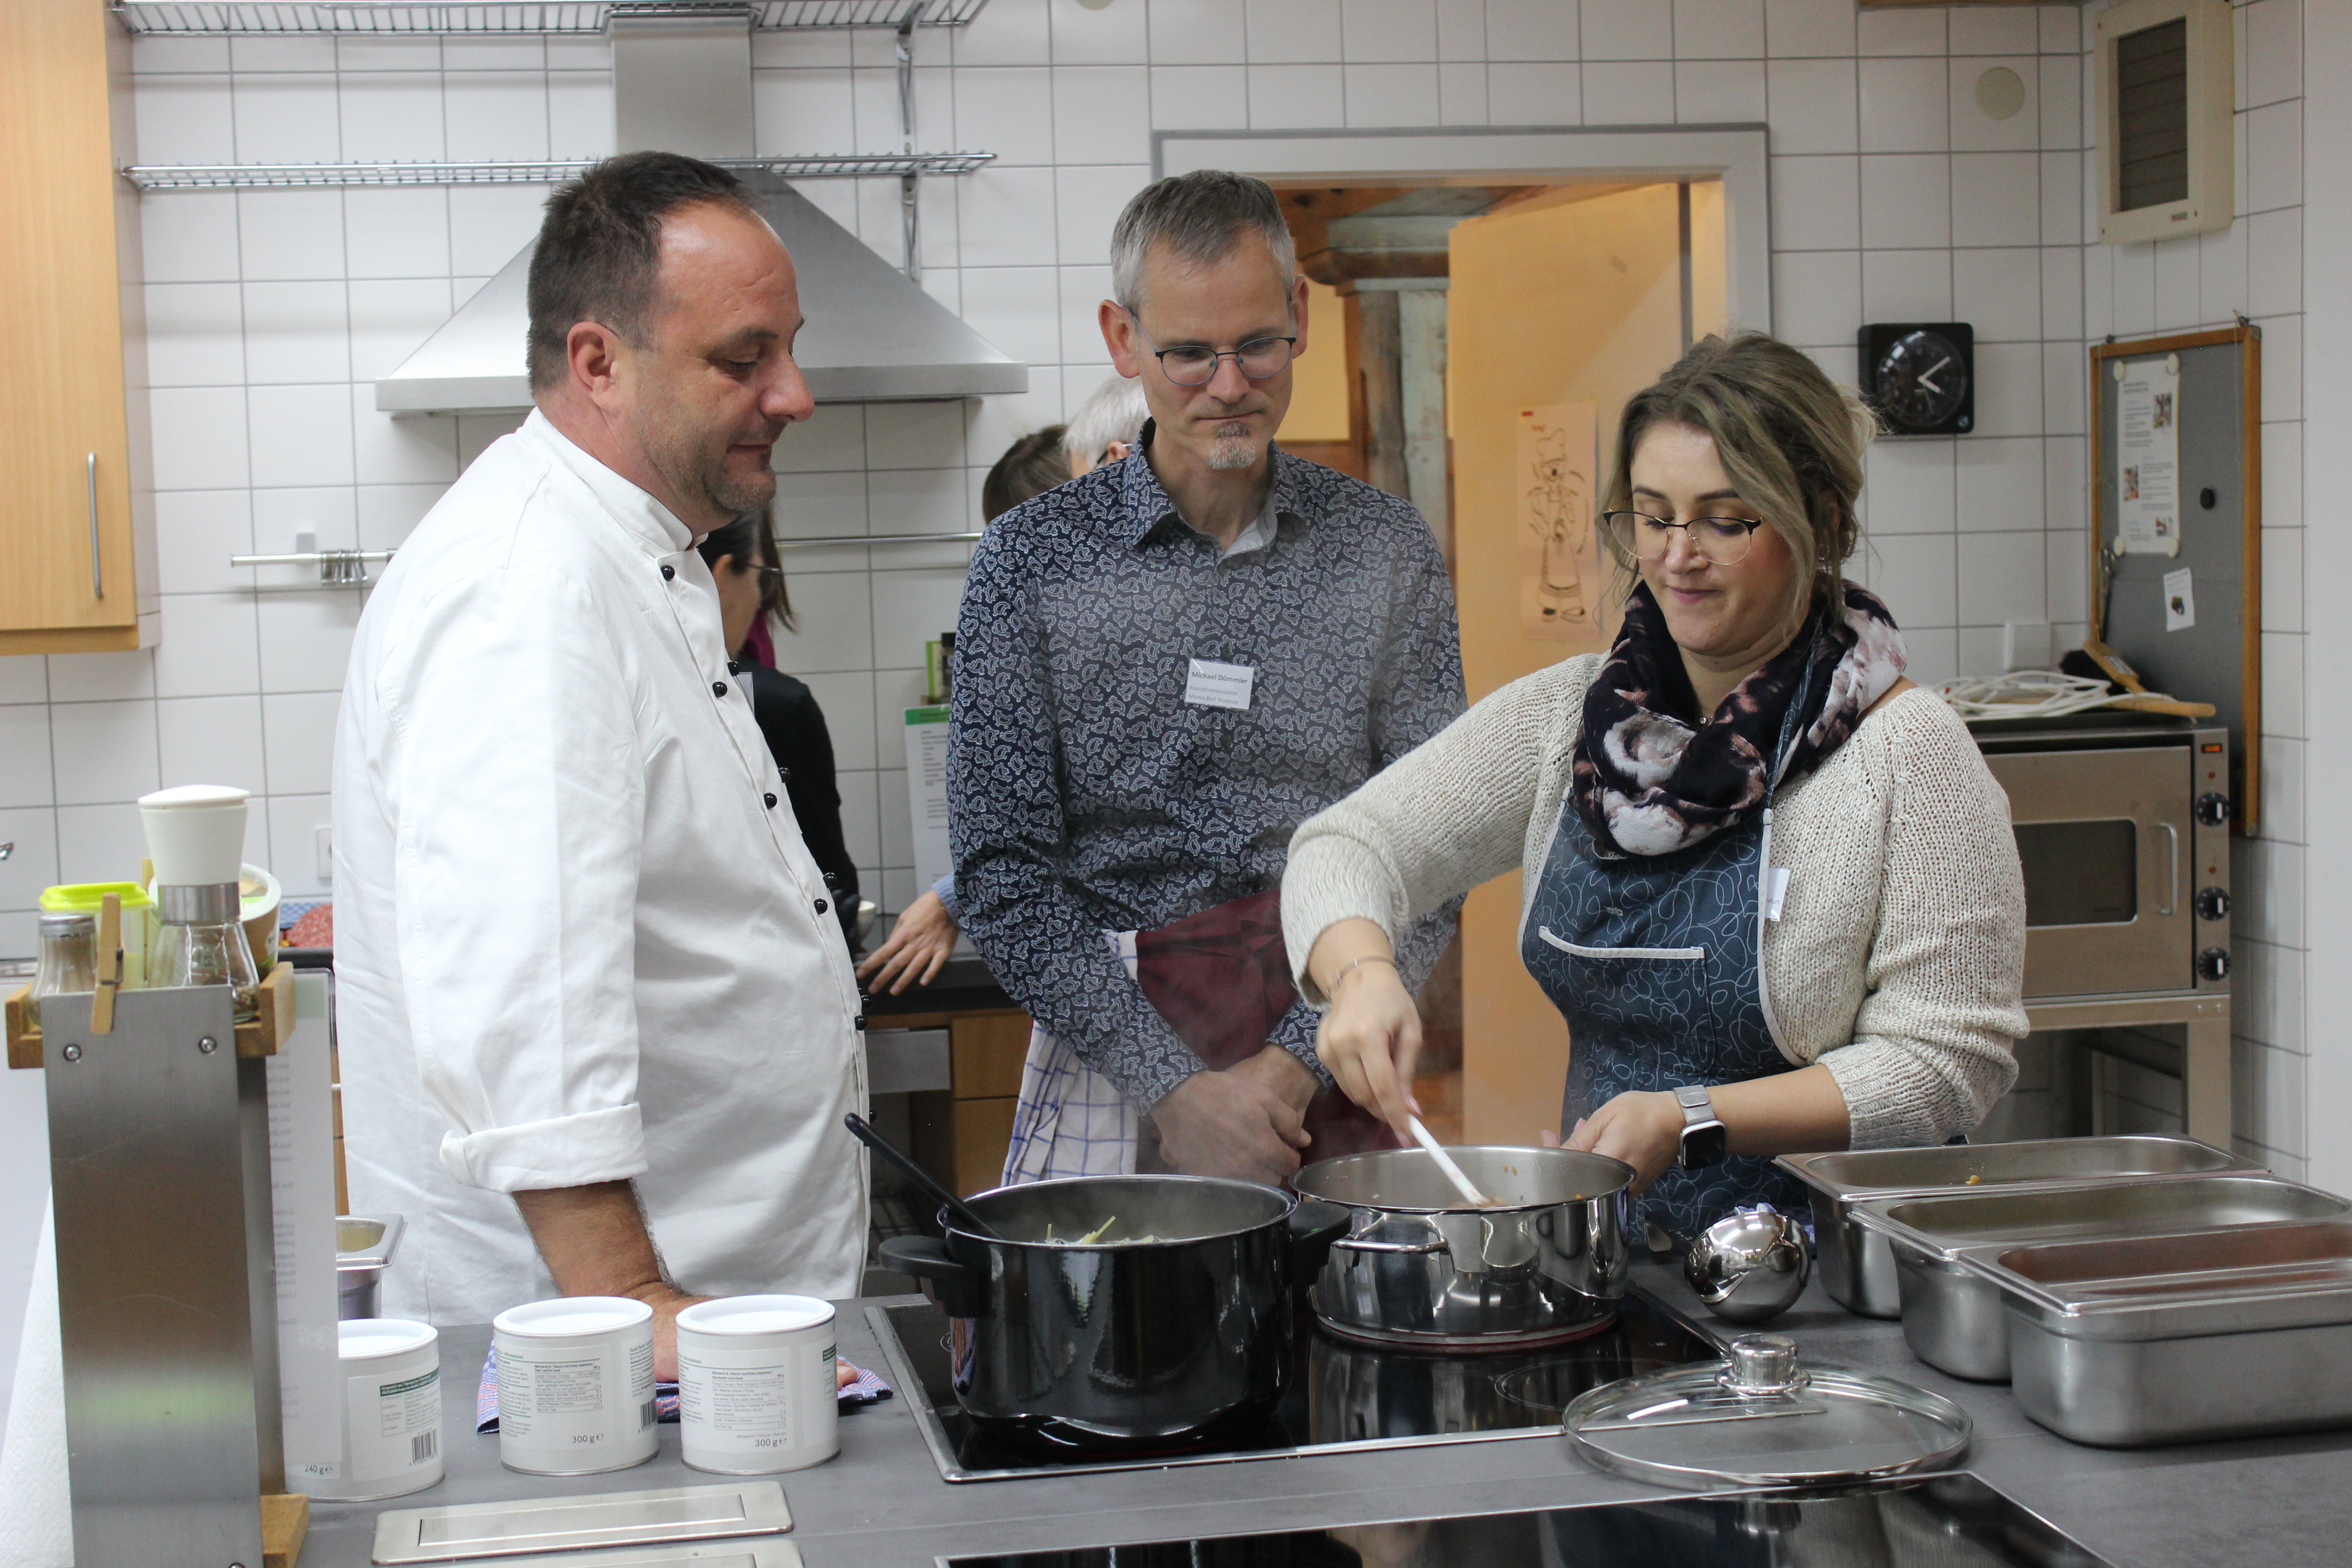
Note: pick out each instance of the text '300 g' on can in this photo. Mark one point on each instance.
(757, 1393)
(575, 1385)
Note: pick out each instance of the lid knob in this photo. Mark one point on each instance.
(1763, 1363)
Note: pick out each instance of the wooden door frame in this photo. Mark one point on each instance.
(1533, 155)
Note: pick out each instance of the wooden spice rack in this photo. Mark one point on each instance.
(262, 1037)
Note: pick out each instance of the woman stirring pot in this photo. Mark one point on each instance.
(1769, 882)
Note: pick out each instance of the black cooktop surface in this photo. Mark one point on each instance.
(1943, 1521)
(1339, 1396)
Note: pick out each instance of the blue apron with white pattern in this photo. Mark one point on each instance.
(1655, 960)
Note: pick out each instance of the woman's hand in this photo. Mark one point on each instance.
(1370, 1041)
(1644, 1130)
(917, 950)
(1371, 1037)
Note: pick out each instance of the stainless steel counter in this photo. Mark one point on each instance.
(882, 1501)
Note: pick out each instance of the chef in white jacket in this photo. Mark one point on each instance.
(597, 1022)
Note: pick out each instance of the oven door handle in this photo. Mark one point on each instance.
(2172, 877)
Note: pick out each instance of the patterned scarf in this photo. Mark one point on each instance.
(1646, 783)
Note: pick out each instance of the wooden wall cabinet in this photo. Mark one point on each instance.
(77, 493)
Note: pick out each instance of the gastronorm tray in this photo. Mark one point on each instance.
(1856, 1266)
(1952, 1315)
(2139, 1340)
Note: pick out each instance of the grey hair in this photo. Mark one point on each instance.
(1199, 217)
(1115, 411)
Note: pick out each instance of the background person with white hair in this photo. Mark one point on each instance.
(1107, 425)
(1162, 668)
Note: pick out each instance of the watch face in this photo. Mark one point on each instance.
(1922, 379)
(1706, 1144)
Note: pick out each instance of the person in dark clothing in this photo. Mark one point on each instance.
(919, 944)
(743, 558)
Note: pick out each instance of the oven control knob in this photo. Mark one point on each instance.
(2212, 903)
(2212, 808)
(2213, 964)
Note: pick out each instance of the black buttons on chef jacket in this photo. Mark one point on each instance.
(771, 800)
(719, 689)
(822, 906)
(668, 571)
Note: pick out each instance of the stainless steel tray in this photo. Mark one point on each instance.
(1856, 1266)
(2176, 1339)
(1952, 1315)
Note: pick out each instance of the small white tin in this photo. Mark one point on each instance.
(575, 1385)
(391, 1410)
(756, 1385)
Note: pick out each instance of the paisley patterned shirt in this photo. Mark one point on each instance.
(1086, 795)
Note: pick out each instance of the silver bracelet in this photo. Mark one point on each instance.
(1353, 965)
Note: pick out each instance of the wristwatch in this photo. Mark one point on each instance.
(1706, 1140)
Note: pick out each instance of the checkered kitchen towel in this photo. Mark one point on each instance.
(863, 1390)
(1070, 1119)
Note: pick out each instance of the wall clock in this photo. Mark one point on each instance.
(1921, 377)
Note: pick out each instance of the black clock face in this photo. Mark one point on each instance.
(1922, 379)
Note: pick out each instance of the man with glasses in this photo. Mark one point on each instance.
(1161, 669)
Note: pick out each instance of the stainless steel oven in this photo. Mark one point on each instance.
(2123, 826)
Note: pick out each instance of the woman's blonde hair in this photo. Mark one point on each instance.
(1791, 441)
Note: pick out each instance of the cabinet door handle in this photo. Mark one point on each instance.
(97, 567)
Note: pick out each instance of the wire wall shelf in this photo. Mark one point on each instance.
(407, 18)
(257, 176)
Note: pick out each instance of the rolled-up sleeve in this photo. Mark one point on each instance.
(515, 784)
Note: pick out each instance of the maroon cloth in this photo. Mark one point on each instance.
(1222, 979)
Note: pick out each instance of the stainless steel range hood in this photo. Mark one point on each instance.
(871, 333)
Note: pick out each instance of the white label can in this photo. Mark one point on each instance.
(575, 1385)
(391, 1410)
(756, 1386)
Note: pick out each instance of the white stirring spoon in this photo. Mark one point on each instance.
(1462, 1183)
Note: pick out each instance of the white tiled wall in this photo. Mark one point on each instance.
(1894, 197)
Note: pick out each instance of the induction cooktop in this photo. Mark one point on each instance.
(1341, 1395)
(1942, 1522)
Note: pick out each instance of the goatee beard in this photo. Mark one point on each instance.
(1228, 452)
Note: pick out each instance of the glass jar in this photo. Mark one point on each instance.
(68, 960)
(200, 942)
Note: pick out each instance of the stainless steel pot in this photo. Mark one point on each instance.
(1417, 1268)
(1122, 1342)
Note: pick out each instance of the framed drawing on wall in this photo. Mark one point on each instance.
(2176, 581)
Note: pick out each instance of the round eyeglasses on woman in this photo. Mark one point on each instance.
(1195, 364)
(1722, 541)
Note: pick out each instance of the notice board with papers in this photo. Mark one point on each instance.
(2176, 578)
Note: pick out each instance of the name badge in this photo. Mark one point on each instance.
(1214, 685)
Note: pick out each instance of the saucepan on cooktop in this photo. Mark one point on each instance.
(1122, 1311)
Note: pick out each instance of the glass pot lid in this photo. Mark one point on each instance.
(1759, 1417)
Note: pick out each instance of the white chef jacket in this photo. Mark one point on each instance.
(578, 936)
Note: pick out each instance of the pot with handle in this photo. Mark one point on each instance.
(1544, 1261)
(1122, 1311)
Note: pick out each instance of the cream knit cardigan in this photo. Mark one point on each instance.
(1900, 949)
